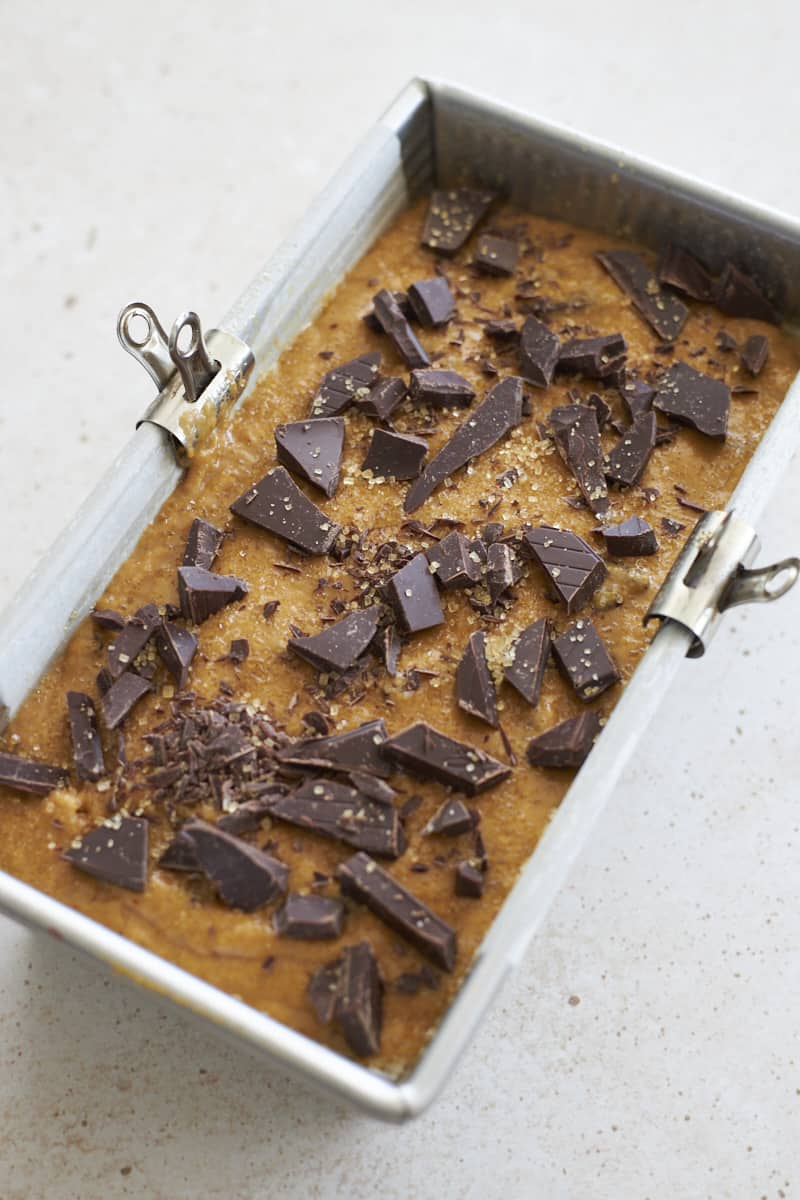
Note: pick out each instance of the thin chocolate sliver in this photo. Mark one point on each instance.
(313, 450)
(394, 455)
(384, 398)
(663, 311)
(396, 326)
(340, 645)
(117, 703)
(566, 744)
(132, 639)
(454, 561)
(681, 270)
(451, 818)
(115, 852)
(346, 384)
(475, 690)
(358, 749)
(525, 672)
(413, 593)
(452, 217)
(694, 399)
(107, 618)
(630, 456)
(493, 419)
(202, 593)
(496, 255)
(26, 775)
(202, 544)
(440, 388)
(349, 990)
(176, 647)
(309, 918)
(539, 352)
(755, 352)
(630, 538)
(432, 301)
(277, 504)
(577, 437)
(87, 748)
(337, 811)
(243, 876)
(363, 879)
(670, 526)
(574, 569)
(739, 296)
(584, 660)
(429, 754)
(597, 357)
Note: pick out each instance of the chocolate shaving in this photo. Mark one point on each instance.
(566, 744)
(429, 754)
(276, 504)
(270, 608)
(754, 353)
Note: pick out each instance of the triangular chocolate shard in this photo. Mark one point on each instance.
(202, 544)
(350, 990)
(663, 311)
(115, 852)
(414, 595)
(755, 353)
(340, 812)
(243, 876)
(356, 749)
(339, 646)
(694, 399)
(566, 744)
(681, 270)
(394, 455)
(737, 295)
(133, 639)
(452, 216)
(577, 437)
(530, 652)
(345, 385)
(117, 703)
(636, 395)
(574, 569)
(276, 504)
(202, 593)
(475, 690)
(584, 660)
(426, 752)
(469, 880)
(179, 855)
(396, 326)
(176, 647)
(630, 456)
(539, 351)
(313, 450)
(86, 745)
(451, 818)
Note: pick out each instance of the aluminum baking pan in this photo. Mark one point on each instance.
(432, 133)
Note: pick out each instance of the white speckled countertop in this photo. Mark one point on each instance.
(648, 1048)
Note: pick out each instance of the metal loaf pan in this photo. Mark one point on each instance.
(433, 133)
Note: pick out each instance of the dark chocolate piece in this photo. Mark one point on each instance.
(452, 217)
(133, 639)
(179, 855)
(670, 526)
(390, 644)
(680, 269)
(276, 504)
(755, 352)
(663, 311)
(739, 296)
(577, 437)
(270, 608)
(345, 385)
(469, 880)
(248, 816)
(374, 789)
(396, 326)
(429, 754)
(340, 812)
(413, 593)
(475, 690)
(117, 702)
(309, 918)
(526, 669)
(450, 818)
(601, 410)
(340, 645)
(86, 745)
(630, 538)
(244, 876)
(432, 301)
(356, 749)
(202, 593)
(313, 450)
(107, 618)
(363, 879)
(115, 852)
(394, 455)
(25, 775)
(597, 357)
(384, 398)
(454, 562)
(238, 653)
(440, 389)
(566, 744)
(630, 456)
(694, 399)
(202, 544)
(636, 395)
(582, 655)
(502, 570)
(503, 332)
(350, 990)
(496, 255)
(495, 416)
(574, 569)
(725, 341)
(176, 647)
(539, 351)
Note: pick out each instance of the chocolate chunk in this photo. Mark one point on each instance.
(202, 593)
(309, 918)
(340, 812)
(115, 852)
(25, 775)
(694, 399)
(577, 437)
(276, 504)
(362, 879)
(104, 680)
(630, 538)
(340, 645)
(350, 990)
(601, 410)
(539, 352)
(495, 416)
(179, 855)
(502, 570)
(475, 689)
(670, 526)
(469, 880)
(247, 818)
(429, 754)
(681, 270)
(313, 450)
(270, 608)
(238, 653)
(202, 544)
(345, 385)
(133, 639)
(397, 328)
(526, 669)
(413, 594)
(566, 744)
(244, 876)
(597, 357)
(106, 618)
(432, 301)
(440, 389)
(754, 353)
(636, 395)
(356, 749)
(496, 255)
(454, 562)
(384, 398)
(374, 789)
(394, 455)
(450, 818)
(581, 654)
(663, 311)
(630, 456)
(504, 331)
(117, 702)
(176, 647)
(87, 748)
(738, 295)
(452, 217)
(725, 341)
(574, 569)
